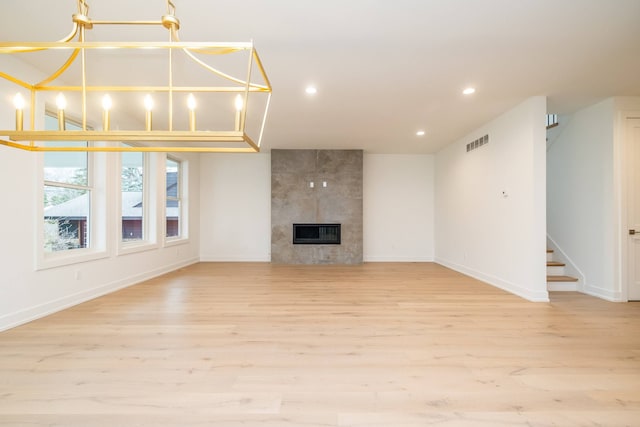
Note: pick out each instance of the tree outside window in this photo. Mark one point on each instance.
(133, 197)
(67, 195)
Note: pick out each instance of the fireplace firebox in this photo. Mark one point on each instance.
(316, 234)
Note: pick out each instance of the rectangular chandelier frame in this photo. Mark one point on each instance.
(146, 139)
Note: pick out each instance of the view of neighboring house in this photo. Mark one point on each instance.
(66, 223)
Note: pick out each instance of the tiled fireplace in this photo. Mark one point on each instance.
(316, 194)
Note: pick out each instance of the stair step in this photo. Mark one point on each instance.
(555, 264)
(561, 279)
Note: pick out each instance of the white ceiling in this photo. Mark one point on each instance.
(385, 69)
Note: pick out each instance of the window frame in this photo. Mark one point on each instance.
(96, 247)
(149, 239)
(182, 195)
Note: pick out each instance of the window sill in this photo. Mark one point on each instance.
(135, 247)
(75, 256)
(175, 241)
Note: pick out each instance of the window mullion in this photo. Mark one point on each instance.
(65, 185)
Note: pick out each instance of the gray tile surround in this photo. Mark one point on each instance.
(292, 201)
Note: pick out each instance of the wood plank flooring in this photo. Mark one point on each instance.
(400, 345)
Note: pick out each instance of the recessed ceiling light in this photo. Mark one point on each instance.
(469, 91)
(420, 133)
(311, 90)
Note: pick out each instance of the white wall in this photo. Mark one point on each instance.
(586, 207)
(398, 207)
(27, 293)
(236, 207)
(580, 195)
(236, 200)
(480, 232)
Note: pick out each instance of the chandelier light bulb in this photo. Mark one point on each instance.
(191, 102)
(61, 102)
(106, 105)
(238, 112)
(148, 103)
(239, 102)
(106, 102)
(18, 101)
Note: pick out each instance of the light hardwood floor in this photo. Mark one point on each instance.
(399, 345)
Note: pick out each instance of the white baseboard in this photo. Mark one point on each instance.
(605, 294)
(259, 258)
(21, 317)
(542, 296)
(396, 259)
(238, 258)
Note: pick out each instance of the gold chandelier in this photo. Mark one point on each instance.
(102, 96)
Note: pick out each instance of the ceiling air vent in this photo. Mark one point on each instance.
(483, 140)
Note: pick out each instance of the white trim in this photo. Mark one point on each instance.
(135, 247)
(621, 187)
(606, 294)
(96, 187)
(175, 241)
(27, 315)
(397, 259)
(182, 199)
(234, 258)
(497, 282)
(149, 216)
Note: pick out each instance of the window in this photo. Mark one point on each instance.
(67, 195)
(133, 197)
(173, 215)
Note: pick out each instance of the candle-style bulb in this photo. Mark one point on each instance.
(148, 103)
(18, 101)
(61, 101)
(106, 102)
(238, 112)
(191, 102)
(106, 105)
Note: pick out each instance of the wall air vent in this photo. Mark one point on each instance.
(483, 140)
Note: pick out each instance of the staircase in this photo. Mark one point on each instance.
(556, 278)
